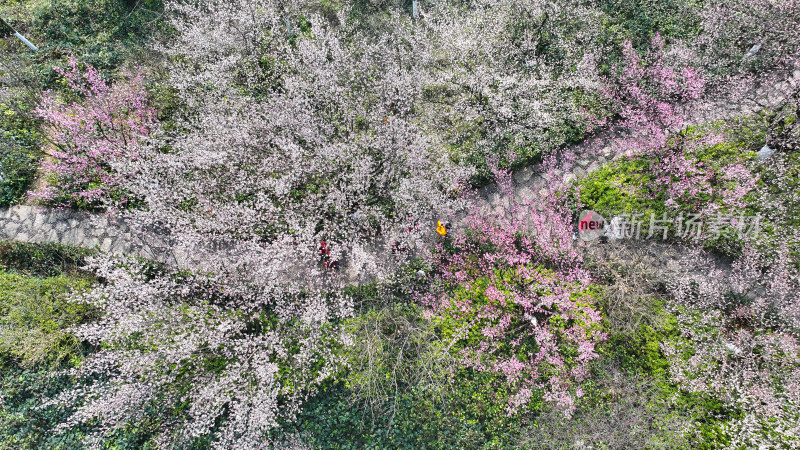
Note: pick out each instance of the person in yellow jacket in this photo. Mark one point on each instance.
(441, 228)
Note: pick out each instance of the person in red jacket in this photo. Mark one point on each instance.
(325, 257)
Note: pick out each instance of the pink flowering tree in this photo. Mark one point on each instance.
(512, 296)
(652, 94)
(97, 127)
(646, 91)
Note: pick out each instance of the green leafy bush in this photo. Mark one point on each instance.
(639, 20)
(18, 158)
(43, 260)
(34, 314)
(24, 424)
(619, 188)
(469, 413)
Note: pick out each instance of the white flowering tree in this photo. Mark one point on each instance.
(295, 132)
(507, 78)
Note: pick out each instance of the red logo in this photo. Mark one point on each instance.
(591, 225)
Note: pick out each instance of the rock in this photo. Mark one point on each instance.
(523, 194)
(523, 175)
(73, 236)
(20, 212)
(753, 50)
(504, 202)
(39, 220)
(119, 247)
(52, 235)
(11, 229)
(733, 349)
(569, 177)
(765, 152)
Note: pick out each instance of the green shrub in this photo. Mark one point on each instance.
(394, 350)
(34, 314)
(469, 413)
(34, 346)
(621, 187)
(639, 20)
(18, 158)
(43, 260)
(24, 424)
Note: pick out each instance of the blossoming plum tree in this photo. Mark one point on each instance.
(739, 344)
(509, 76)
(292, 137)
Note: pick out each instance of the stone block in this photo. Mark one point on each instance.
(39, 220)
(27, 221)
(11, 229)
(20, 212)
(51, 235)
(119, 247)
(523, 175)
(73, 236)
(524, 193)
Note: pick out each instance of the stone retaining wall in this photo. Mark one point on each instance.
(40, 224)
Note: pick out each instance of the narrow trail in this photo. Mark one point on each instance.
(39, 224)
